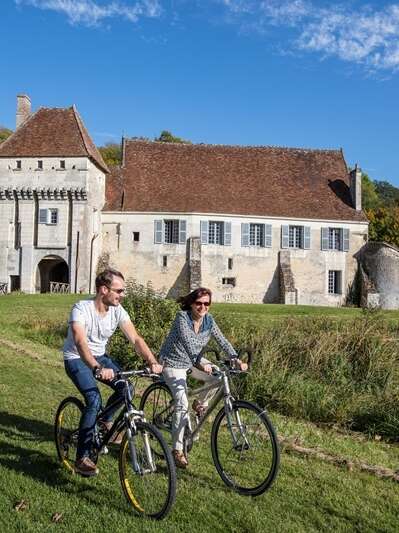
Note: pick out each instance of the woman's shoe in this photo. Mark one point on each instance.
(199, 408)
(180, 459)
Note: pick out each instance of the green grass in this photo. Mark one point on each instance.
(309, 495)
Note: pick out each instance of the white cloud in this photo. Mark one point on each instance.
(366, 36)
(92, 13)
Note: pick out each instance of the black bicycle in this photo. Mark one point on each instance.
(244, 443)
(146, 468)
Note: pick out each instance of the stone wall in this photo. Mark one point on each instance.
(379, 274)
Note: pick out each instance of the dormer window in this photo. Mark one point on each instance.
(62, 164)
(18, 164)
(40, 165)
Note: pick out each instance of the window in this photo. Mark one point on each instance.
(18, 164)
(40, 165)
(216, 232)
(230, 263)
(229, 282)
(256, 234)
(170, 231)
(335, 239)
(295, 237)
(136, 236)
(215, 235)
(334, 282)
(48, 216)
(53, 216)
(62, 164)
(165, 261)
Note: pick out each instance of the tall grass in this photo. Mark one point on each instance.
(317, 368)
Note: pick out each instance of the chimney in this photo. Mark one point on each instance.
(356, 187)
(23, 108)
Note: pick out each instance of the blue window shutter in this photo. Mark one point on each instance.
(244, 234)
(182, 231)
(345, 240)
(42, 216)
(325, 232)
(306, 237)
(227, 234)
(158, 231)
(204, 231)
(267, 236)
(285, 236)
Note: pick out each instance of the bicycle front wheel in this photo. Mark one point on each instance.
(158, 407)
(245, 450)
(66, 430)
(147, 472)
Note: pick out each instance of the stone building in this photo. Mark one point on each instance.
(255, 224)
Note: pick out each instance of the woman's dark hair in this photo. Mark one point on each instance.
(106, 277)
(186, 301)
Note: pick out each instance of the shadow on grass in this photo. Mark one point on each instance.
(12, 425)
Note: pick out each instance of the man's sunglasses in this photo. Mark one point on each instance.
(200, 304)
(118, 291)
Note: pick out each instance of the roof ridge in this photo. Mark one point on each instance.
(78, 119)
(250, 146)
(83, 133)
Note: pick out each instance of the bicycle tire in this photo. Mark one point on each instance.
(151, 493)
(66, 430)
(248, 465)
(158, 406)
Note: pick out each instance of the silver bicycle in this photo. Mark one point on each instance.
(244, 443)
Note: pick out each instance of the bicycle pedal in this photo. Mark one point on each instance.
(104, 451)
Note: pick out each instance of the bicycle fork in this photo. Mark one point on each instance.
(131, 435)
(240, 442)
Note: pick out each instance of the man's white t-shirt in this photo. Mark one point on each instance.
(98, 328)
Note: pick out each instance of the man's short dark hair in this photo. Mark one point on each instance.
(106, 277)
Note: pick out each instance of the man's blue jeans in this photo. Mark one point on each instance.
(83, 378)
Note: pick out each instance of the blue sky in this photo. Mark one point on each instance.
(316, 74)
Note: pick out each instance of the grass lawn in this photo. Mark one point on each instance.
(309, 495)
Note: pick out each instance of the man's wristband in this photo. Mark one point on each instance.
(97, 371)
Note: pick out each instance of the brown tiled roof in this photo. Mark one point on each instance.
(260, 181)
(52, 132)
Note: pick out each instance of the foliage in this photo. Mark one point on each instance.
(4, 133)
(325, 370)
(168, 137)
(388, 194)
(111, 153)
(384, 224)
(370, 197)
(152, 316)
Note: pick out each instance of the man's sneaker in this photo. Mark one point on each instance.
(106, 426)
(86, 467)
(180, 459)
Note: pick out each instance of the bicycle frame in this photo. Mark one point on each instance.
(127, 417)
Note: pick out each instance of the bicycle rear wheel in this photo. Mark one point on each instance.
(158, 406)
(66, 430)
(149, 488)
(245, 449)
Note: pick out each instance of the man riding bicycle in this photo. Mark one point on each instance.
(91, 323)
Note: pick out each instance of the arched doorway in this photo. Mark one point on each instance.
(53, 274)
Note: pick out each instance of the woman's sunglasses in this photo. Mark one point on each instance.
(200, 304)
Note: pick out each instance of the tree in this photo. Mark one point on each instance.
(388, 194)
(111, 153)
(384, 224)
(4, 133)
(370, 196)
(168, 137)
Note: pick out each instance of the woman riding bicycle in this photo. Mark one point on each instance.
(190, 333)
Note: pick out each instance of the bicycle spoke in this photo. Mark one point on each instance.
(244, 448)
